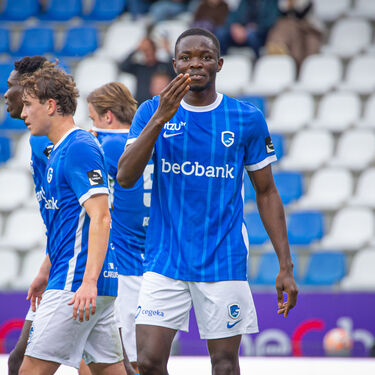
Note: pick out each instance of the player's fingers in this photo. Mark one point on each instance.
(75, 307)
(180, 81)
(182, 90)
(32, 302)
(72, 300)
(28, 295)
(93, 306)
(87, 309)
(81, 310)
(279, 298)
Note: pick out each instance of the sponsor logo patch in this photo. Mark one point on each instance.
(95, 177)
(229, 325)
(47, 150)
(269, 145)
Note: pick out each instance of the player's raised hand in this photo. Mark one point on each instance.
(36, 290)
(285, 283)
(171, 96)
(84, 299)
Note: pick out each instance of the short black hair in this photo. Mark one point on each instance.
(29, 64)
(202, 32)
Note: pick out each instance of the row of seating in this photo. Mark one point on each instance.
(61, 10)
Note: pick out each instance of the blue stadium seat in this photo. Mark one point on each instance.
(80, 41)
(278, 143)
(268, 268)
(106, 10)
(258, 101)
(19, 10)
(62, 10)
(305, 227)
(289, 184)
(325, 268)
(5, 69)
(36, 41)
(5, 149)
(255, 228)
(4, 40)
(10, 123)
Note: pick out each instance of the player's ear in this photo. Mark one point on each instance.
(220, 64)
(174, 65)
(109, 116)
(51, 106)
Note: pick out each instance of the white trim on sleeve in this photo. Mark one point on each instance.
(261, 164)
(92, 192)
(130, 141)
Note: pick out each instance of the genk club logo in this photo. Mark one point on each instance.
(49, 175)
(227, 138)
(234, 312)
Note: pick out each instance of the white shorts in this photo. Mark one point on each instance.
(30, 315)
(55, 336)
(125, 309)
(223, 308)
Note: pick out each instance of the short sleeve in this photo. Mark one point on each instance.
(85, 170)
(259, 150)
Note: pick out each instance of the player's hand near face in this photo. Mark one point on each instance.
(83, 300)
(285, 283)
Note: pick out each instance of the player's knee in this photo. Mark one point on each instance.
(14, 362)
(148, 366)
(225, 365)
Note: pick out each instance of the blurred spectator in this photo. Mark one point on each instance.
(143, 63)
(210, 14)
(296, 33)
(166, 9)
(159, 80)
(138, 8)
(248, 25)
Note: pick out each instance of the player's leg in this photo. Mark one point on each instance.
(130, 367)
(35, 366)
(107, 368)
(16, 356)
(84, 369)
(224, 355)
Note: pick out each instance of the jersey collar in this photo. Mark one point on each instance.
(64, 136)
(205, 108)
(100, 130)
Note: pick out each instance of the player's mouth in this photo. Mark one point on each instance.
(196, 77)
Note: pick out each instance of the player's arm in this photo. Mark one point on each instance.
(136, 155)
(272, 214)
(100, 221)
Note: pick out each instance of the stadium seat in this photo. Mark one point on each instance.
(278, 143)
(19, 10)
(234, 84)
(364, 8)
(360, 76)
(22, 154)
(255, 229)
(9, 123)
(305, 227)
(349, 37)
(268, 268)
(338, 111)
(303, 155)
(365, 193)
(32, 230)
(329, 189)
(325, 268)
(62, 10)
(106, 10)
(355, 150)
(81, 116)
(319, 74)
(368, 119)
(4, 40)
(170, 30)
(5, 149)
(291, 111)
(331, 10)
(5, 69)
(20, 183)
(93, 72)
(361, 275)
(79, 41)
(9, 264)
(289, 184)
(272, 74)
(129, 80)
(352, 228)
(36, 41)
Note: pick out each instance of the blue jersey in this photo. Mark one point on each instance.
(130, 212)
(196, 230)
(40, 150)
(75, 172)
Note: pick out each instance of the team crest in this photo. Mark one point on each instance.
(49, 175)
(234, 310)
(227, 138)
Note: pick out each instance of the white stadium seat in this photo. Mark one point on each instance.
(94, 72)
(171, 30)
(9, 263)
(234, 77)
(291, 111)
(310, 149)
(364, 8)
(24, 229)
(329, 189)
(330, 10)
(365, 192)
(352, 228)
(360, 75)
(129, 80)
(338, 111)
(368, 119)
(319, 74)
(22, 154)
(81, 117)
(361, 274)
(349, 37)
(272, 74)
(355, 150)
(15, 188)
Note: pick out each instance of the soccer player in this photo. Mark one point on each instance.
(196, 249)
(111, 108)
(82, 272)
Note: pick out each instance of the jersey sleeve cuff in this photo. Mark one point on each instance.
(91, 193)
(130, 141)
(261, 164)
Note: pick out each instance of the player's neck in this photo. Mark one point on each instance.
(59, 127)
(200, 98)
